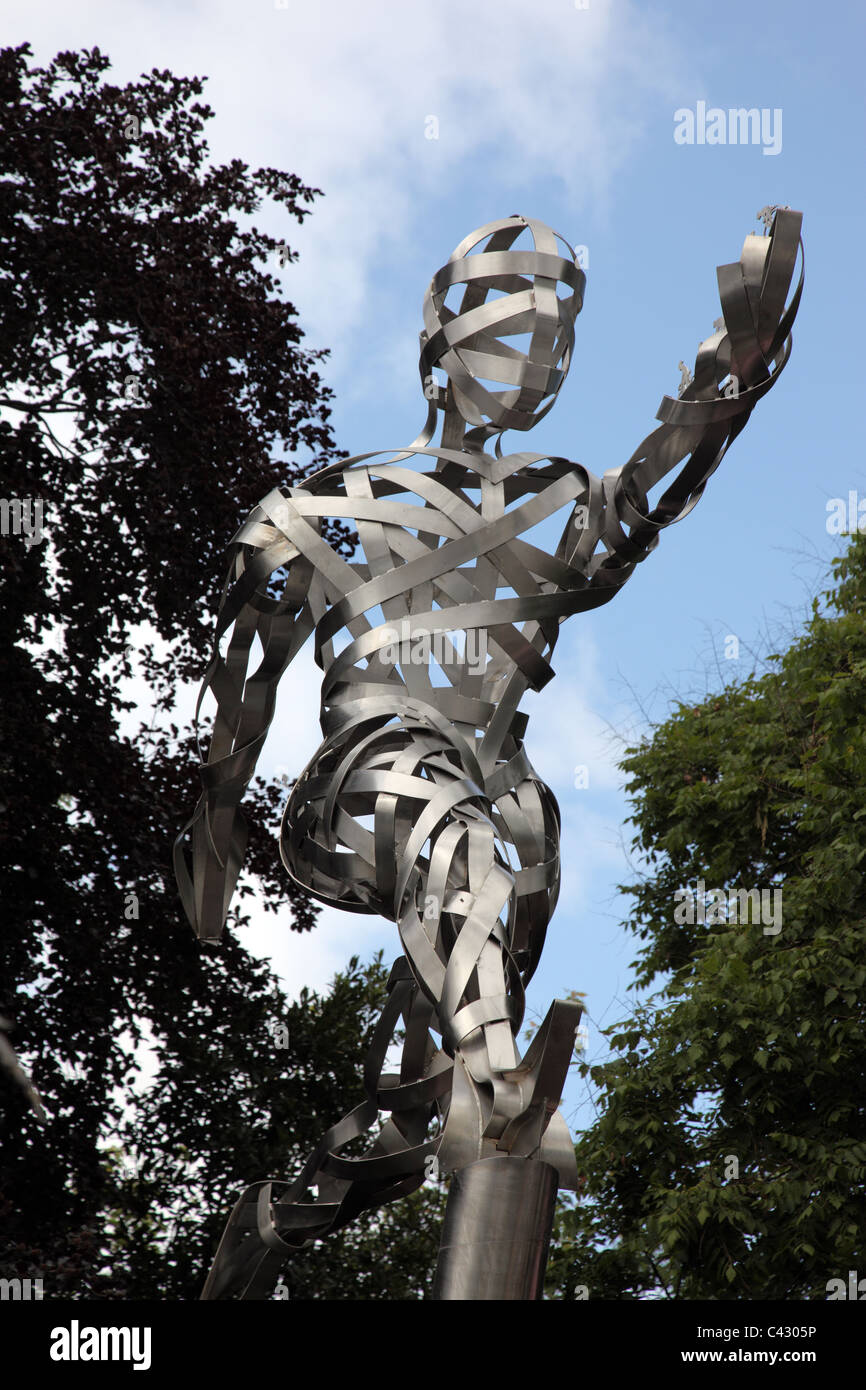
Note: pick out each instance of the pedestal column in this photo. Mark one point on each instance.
(496, 1232)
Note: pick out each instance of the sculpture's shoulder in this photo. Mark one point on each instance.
(429, 472)
(404, 505)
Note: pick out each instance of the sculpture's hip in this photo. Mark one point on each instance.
(363, 820)
(353, 810)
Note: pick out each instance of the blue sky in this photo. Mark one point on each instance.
(565, 114)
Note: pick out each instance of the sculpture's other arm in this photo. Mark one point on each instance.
(216, 834)
(734, 368)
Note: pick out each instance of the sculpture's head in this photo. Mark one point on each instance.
(525, 283)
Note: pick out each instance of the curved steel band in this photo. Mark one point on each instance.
(421, 803)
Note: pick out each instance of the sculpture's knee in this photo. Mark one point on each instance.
(362, 818)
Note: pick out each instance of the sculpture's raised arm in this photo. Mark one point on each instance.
(734, 368)
(216, 835)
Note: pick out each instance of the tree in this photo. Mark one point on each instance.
(728, 1156)
(148, 373)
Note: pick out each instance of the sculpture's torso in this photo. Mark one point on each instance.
(446, 603)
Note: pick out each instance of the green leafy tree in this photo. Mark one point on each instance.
(728, 1156)
(152, 389)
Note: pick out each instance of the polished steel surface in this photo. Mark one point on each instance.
(496, 1231)
(421, 803)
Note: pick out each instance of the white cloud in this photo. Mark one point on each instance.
(311, 959)
(340, 94)
(565, 729)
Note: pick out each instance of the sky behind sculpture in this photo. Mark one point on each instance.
(421, 121)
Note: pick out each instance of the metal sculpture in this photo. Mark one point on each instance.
(421, 803)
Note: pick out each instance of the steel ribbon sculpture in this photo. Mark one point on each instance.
(421, 803)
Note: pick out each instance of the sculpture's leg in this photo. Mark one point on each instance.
(500, 1207)
(389, 818)
(469, 918)
(272, 1219)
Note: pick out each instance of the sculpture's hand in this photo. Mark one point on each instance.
(734, 368)
(245, 706)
